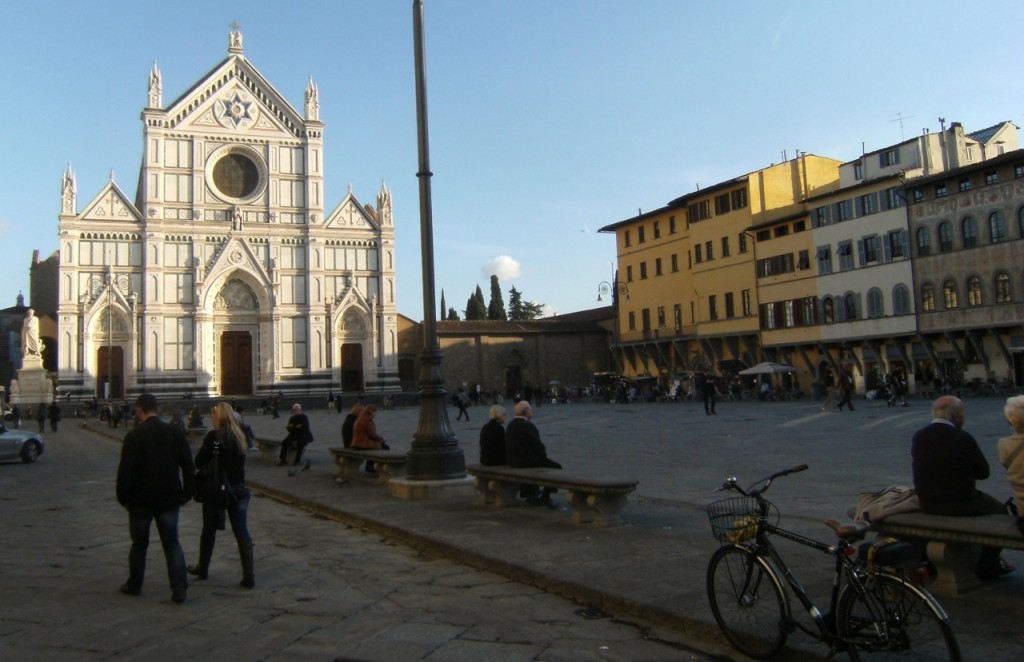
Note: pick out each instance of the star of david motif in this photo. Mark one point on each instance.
(236, 110)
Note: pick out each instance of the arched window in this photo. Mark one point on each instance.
(927, 297)
(849, 307)
(969, 229)
(876, 305)
(996, 227)
(828, 311)
(924, 241)
(945, 237)
(949, 294)
(900, 300)
(973, 291)
(1002, 288)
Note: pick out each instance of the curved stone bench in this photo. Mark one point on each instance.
(389, 464)
(953, 543)
(595, 501)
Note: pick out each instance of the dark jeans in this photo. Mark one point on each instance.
(980, 504)
(167, 527)
(286, 444)
(237, 514)
(709, 403)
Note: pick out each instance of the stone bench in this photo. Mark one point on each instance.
(595, 501)
(953, 543)
(270, 449)
(389, 464)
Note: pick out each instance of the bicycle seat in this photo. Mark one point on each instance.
(848, 530)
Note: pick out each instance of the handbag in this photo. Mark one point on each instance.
(210, 486)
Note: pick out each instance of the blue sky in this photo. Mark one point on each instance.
(548, 118)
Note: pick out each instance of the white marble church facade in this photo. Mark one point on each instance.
(225, 276)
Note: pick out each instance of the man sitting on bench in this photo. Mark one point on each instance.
(524, 449)
(946, 464)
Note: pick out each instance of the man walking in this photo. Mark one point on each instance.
(154, 479)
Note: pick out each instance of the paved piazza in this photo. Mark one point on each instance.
(326, 590)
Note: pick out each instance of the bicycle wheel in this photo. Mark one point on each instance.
(748, 601)
(894, 620)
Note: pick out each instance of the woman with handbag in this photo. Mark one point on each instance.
(223, 459)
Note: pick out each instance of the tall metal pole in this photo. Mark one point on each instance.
(435, 452)
(110, 329)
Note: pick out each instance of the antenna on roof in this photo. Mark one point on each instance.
(899, 118)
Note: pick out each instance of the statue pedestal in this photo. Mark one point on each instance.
(33, 384)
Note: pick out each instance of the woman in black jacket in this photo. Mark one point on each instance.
(227, 440)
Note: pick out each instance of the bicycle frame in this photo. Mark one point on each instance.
(844, 568)
(850, 577)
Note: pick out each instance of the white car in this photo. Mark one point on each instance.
(19, 444)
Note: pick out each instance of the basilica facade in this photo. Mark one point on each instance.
(225, 276)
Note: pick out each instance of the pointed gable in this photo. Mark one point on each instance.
(237, 255)
(111, 205)
(234, 96)
(351, 214)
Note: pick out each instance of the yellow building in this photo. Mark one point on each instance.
(687, 272)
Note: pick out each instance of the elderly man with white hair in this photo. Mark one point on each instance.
(523, 448)
(947, 462)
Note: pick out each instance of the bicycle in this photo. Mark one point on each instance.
(878, 608)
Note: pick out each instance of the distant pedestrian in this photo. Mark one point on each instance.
(154, 479)
(707, 388)
(54, 415)
(828, 385)
(16, 416)
(462, 402)
(845, 388)
(41, 416)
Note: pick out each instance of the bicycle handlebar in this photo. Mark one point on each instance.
(732, 484)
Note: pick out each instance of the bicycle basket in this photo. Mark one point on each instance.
(735, 519)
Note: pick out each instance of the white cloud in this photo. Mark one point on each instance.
(504, 267)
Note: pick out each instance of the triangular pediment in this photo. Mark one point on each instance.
(351, 214)
(237, 256)
(234, 96)
(111, 205)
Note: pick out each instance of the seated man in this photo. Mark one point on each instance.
(523, 448)
(946, 464)
(1011, 452)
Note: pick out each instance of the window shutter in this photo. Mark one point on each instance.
(860, 251)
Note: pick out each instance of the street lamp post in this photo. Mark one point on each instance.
(615, 289)
(110, 330)
(435, 454)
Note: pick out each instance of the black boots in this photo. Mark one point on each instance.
(245, 553)
(201, 571)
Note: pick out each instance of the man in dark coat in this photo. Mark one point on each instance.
(298, 434)
(154, 479)
(523, 448)
(946, 464)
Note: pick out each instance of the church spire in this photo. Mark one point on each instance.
(312, 101)
(235, 38)
(155, 87)
(69, 192)
(384, 204)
